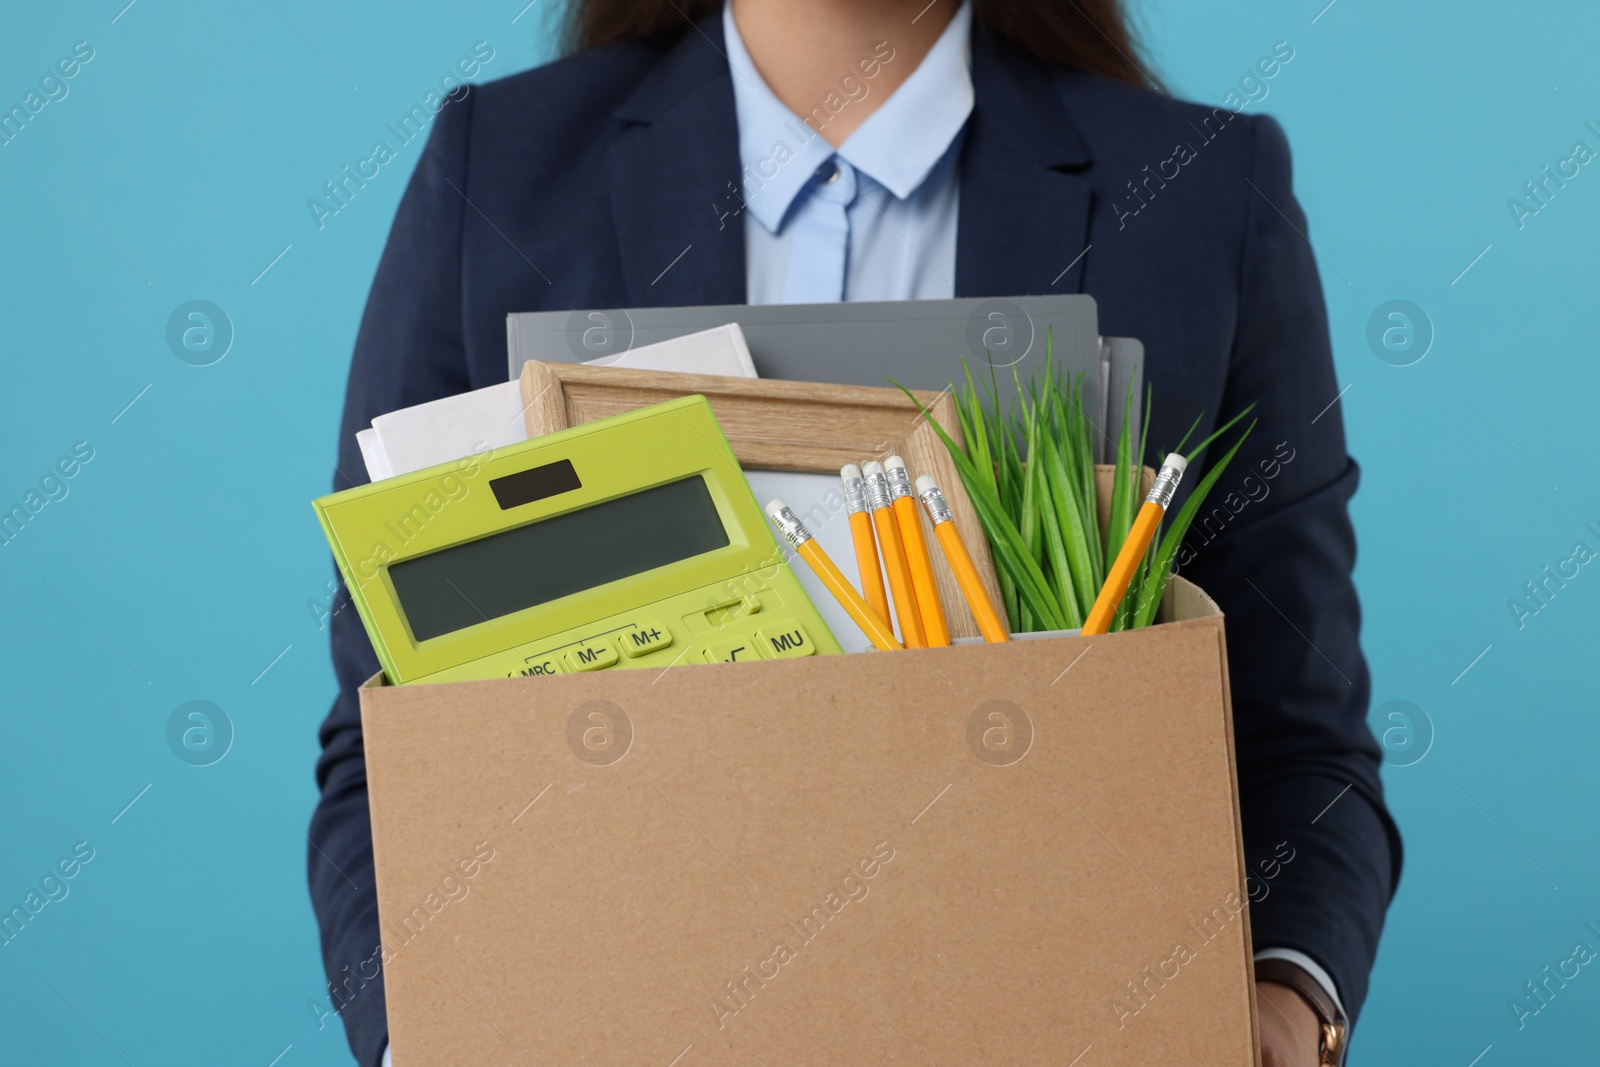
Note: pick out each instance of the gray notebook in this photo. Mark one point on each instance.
(918, 343)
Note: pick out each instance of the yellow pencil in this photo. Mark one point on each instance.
(855, 498)
(795, 532)
(1133, 549)
(894, 557)
(916, 546)
(990, 624)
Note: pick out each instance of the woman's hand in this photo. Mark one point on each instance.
(1289, 1028)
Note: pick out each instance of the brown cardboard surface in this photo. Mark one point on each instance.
(831, 860)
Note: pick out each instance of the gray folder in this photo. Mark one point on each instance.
(1122, 370)
(918, 343)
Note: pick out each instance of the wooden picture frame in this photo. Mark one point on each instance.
(778, 425)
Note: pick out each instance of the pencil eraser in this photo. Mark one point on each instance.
(924, 483)
(873, 468)
(775, 508)
(1174, 459)
(895, 463)
(850, 472)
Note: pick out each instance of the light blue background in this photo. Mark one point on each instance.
(181, 564)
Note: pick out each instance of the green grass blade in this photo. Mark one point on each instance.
(1218, 432)
(976, 444)
(1069, 516)
(1054, 553)
(982, 451)
(1028, 521)
(1144, 425)
(1124, 484)
(1189, 432)
(1134, 503)
(1125, 610)
(1011, 474)
(1057, 525)
(1087, 495)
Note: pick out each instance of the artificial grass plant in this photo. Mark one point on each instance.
(1030, 474)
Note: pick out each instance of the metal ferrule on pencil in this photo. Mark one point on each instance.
(1166, 483)
(793, 530)
(898, 477)
(877, 487)
(855, 495)
(933, 501)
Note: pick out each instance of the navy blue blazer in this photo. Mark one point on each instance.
(576, 184)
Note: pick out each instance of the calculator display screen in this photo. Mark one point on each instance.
(530, 565)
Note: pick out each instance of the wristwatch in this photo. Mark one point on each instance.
(1330, 1049)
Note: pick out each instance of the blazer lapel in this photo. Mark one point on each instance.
(673, 178)
(1025, 199)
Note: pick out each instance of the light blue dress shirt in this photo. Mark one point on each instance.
(874, 219)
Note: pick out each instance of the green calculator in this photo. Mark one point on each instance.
(632, 541)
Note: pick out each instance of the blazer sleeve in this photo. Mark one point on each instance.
(410, 349)
(1322, 851)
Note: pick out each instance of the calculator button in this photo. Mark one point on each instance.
(591, 657)
(785, 640)
(645, 640)
(725, 612)
(734, 650)
(538, 666)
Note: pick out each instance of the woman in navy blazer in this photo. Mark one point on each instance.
(572, 185)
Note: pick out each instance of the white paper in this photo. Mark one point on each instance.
(439, 431)
(450, 428)
(372, 454)
(720, 350)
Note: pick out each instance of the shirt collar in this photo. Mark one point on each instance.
(897, 146)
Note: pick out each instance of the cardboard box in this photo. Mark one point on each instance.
(999, 854)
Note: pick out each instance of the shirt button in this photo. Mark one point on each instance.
(828, 173)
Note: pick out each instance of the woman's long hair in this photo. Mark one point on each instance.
(1087, 35)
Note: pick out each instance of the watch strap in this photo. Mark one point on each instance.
(1330, 1047)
